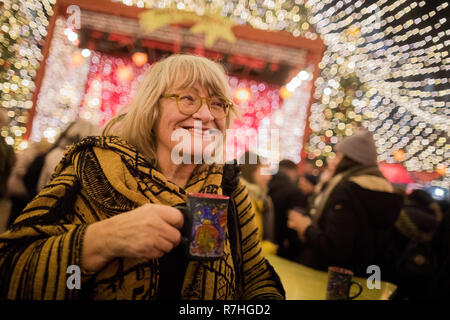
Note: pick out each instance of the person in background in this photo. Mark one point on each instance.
(307, 184)
(257, 182)
(308, 177)
(76, 131)
(440, 286)
(7, 159)
(320, 183)
(353, 218)
(285, 196)
(23, 179)
(289, 168)
(415, 259)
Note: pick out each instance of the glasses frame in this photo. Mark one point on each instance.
(208, 103)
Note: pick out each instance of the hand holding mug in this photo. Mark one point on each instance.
(147, 232)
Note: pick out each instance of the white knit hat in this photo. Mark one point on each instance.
(359, 147)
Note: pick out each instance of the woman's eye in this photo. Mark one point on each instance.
(218, 103)
(187, 98)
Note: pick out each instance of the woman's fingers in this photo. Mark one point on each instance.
(172, 216)
(164, 245)
(150, 230)
(171, 234)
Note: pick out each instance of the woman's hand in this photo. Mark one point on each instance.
(299, 223)
(148, 232)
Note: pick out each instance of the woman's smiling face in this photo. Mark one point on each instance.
(172, 120)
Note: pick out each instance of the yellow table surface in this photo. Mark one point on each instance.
(303, 283)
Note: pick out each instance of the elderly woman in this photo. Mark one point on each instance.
(110, 206)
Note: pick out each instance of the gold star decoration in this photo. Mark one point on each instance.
(212, 25)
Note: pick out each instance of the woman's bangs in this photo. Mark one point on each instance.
(190, 74)
(182, 78)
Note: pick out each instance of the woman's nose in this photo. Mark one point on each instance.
(203, 113)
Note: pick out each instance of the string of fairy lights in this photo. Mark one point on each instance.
(398, 52)
(22, 30)
(386, 68)
(274, 15)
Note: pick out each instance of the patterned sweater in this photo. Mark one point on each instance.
(97, 179)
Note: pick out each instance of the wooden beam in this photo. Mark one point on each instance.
(104, 6)
(280, 38)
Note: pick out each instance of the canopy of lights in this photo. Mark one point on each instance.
(385, 68)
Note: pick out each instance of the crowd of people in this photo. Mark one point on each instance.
(349, 215)
(64, 206)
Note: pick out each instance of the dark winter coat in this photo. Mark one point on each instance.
(355, 224)
(440, 288)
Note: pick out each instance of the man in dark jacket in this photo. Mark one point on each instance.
(285, 196)
(352, 219)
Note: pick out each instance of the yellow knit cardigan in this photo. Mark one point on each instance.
(97, 179)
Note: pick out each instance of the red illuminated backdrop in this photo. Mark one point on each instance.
(112, 78)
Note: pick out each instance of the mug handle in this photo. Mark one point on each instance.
(186, 229)
(359, 292)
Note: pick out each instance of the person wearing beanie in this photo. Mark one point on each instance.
(350, 221)
(360, 148)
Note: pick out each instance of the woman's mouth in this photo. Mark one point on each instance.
(197, 131)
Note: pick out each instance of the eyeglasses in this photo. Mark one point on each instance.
(190, 103)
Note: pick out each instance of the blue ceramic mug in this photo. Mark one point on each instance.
(205, 221)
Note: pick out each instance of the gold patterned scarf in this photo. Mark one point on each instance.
(97, 179)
